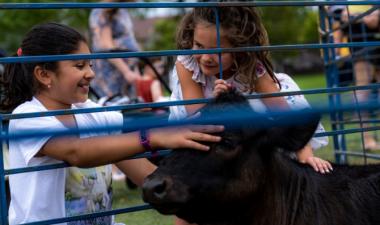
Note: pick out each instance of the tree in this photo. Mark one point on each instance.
(290, 25)
(15, 23)
(165, 34)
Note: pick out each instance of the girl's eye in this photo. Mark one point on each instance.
(197, 46)
(79, 66)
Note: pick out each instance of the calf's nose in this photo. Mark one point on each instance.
(155, 189)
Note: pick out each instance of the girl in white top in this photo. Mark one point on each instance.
(43, 86)
(197, 76)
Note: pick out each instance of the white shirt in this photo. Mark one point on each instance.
(56, 193)
(207, 84)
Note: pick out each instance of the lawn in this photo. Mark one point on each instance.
(353, 141)
(124, 197)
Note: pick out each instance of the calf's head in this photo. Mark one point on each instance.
(207, 186)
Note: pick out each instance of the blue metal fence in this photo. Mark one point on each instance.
(334, 107)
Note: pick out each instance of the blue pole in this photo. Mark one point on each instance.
(218, 42)
(4, 208)
(334, 78)
(329, 78)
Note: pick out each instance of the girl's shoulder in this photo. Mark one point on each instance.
(87, 104)
(191, 64)
(287, 82)
(188, 62)
(282, 76)
(29, 106)
(32, 123)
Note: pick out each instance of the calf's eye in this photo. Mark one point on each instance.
(227, 149)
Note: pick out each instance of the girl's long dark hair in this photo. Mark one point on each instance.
(18, 84)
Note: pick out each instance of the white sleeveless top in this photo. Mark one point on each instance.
(207, 84)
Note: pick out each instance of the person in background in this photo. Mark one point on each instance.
(366, 60)
(112, 29)
(342, 55)
(149, 88)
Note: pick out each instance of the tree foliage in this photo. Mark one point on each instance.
(164, 38)
(15, 23)
(290, 25)
(285, 25)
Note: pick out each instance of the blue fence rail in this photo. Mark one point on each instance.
(334, 107)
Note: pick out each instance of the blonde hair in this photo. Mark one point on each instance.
(242, 27)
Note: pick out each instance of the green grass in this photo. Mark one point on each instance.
(310, 81)
(124, 197)
(353, 141)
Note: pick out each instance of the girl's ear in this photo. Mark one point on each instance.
(43, 76)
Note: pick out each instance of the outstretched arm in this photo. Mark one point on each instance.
(101, 150)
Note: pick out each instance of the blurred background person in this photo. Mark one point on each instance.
(365, 60)
(149, 88)
(342, 55)
(112, 29)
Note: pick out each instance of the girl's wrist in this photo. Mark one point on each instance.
(153, 139)
(146, 142)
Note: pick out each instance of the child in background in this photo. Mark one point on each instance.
(44, 86)
(149, 87)
(197, 76)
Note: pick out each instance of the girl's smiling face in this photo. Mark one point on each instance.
(70, 83)
(205, 37)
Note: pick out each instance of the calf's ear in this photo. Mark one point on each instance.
(295, 136)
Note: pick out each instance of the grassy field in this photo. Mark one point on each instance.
(124, 197)
(353, 141)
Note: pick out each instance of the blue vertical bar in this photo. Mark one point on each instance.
(338, 100)
(4, 208)
(330, 80)
(216, 11)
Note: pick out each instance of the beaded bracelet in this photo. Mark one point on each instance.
(144, 140)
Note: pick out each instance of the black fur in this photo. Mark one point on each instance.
(249, 179)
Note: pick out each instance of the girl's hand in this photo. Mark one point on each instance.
(319, 164)
(185, 137)
(220, 87)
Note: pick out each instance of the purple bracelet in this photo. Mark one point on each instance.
(144, 140)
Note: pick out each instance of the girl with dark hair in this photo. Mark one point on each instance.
(197, 76)
(44, 86)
